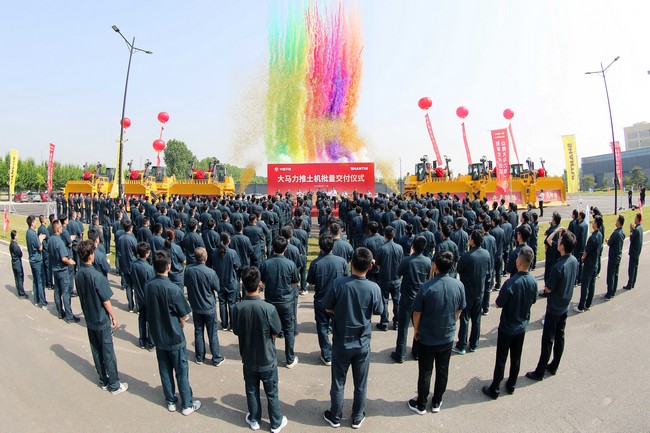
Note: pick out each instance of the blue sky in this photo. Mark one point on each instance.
(63, 75)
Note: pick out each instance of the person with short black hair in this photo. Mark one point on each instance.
(515, 299)
(60, 261)
(615, 253)
(522, 234)
(436, 309)
(226, 264)
(167, 313)
(279, 274)
(414, 271)
(142, 272)
(589, 262)
(176, 273)
(389, 256)
(100, 262)
(352, 301)
(559, 289)
(257, 324)
(636, 245)
(127, 247)
(17, 265)
(202, 283)
(323, 271)
(95, 299)
(35, 254)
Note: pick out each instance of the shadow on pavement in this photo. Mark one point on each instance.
(85, 368)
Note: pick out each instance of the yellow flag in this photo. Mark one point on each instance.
(571, 156)
(13, 171)
(114, 192)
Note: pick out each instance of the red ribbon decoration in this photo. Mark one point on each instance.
(469, 156)
(433, 139)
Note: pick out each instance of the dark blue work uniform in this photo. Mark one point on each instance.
(35, 253)
(127, 248)
(142, 272)
(636, 245)
(93, 291)
(472, 267)
(353, 300)
(62, 288)
(227, 266)
(588, 278)
(322, 273)
(202, 283)
(17, 267)
(615, 244)
(388, 259)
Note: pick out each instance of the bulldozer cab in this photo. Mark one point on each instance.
(421, 171)
(219, 172)
(159, 173)
(109, 172)
(476, 170)
(516, 170)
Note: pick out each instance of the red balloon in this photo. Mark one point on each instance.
(462, 112)
(126, 122)
(541, 172)
(508, 113)
(163, 117)
(86, 175)
(200, 174)
(159, 145)
(425, 103)
(440, 172)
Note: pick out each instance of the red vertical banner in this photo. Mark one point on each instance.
(619, 163)
(514, 146)
(502, 159)
(433, 140)
(50, 169)
(469, 156)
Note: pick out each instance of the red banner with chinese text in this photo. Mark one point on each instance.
(501, 159)
(342, 177)
(433, 140)
(469, 156)
(619, 162)
(50, 169)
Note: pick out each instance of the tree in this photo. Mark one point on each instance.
(587, 182)
(178, 159)
(637, 176)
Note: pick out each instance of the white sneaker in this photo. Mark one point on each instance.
(253, 424)
(196, 405)
(171, 407)
(577, 310)
(325, 361)
(123, 387)
(284, 423)
(293, 364)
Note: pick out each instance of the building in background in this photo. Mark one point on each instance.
(637, 136)
(602, 166)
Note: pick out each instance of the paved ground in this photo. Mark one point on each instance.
(49, 383)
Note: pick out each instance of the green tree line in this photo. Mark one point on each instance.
(31, 176)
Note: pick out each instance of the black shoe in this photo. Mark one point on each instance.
(327, 416)
(551, 369)
(510, 389)
(413, 405)
(395, 326)
(489, 392)
(381, 327)
(627, 287)
(533, 375)
(74, 319)
(60, 317)
(74, 294)
(396, 358)
(415, 356)
(356, 423)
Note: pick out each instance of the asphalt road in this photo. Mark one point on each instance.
(49, 383)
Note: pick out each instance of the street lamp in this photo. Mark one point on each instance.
(120, 171)
(611, 123)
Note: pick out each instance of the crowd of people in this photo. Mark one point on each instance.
(243, 264)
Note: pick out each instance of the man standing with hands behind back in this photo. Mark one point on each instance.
(636, 245)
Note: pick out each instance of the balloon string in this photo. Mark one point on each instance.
(162, 128)
(158, 160)
(469, 156)
(514, 146)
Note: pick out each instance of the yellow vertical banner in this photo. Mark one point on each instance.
(114, 192)
(13, 171)
(571, 156)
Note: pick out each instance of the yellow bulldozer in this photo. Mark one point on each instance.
(93, 181)
(212, 182)
(525, 183)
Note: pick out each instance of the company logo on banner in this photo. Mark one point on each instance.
(340, 176)
(571, 156)
(619, 162)
(13, 171)
(50, 169)
(502, 159)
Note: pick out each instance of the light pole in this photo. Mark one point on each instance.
(120, 171)
(611, 123)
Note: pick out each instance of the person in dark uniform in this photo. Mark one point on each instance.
(436, 309)
(35, 252)
(414, 271)
(388, 259)
(515, 298)
(202, 283)
(47, 269)
(636, 245)
(342, 248)
(374, 241)
(167, 313)
(508, 234)
(615, 244)
(61, 261)
(582, 233)
(352, 301)
(226, 264)
(127, 247)
(142, 272)
(472, 268)
(17, 265)
(629, 198)
(279, 274)
(589, 260)
(256, 235)
(523, 234)
(550, 245)
(100, 262)
(559, 289)
(490, 245)
(532, 240)
(176, 273)
(191, 241)
(323, 271)
(87, 209)
(95, 298)
(257, 324)
(448, 245)
(499, 236)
